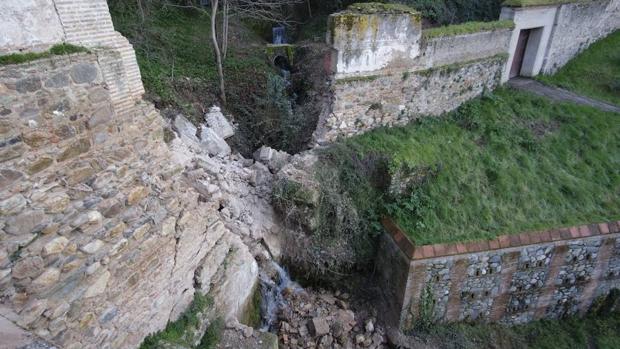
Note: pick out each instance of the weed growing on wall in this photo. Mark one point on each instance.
(56, 50)
(181, 332)
(426, 310)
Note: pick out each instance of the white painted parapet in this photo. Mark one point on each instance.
(28, 25)
(374, 41)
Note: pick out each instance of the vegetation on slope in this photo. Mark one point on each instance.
(179, 72)
(56, 50)
(594, 73)
(505, 163)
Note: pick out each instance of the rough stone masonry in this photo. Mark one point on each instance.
(105, 232)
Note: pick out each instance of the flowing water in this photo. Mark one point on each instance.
(273, 294)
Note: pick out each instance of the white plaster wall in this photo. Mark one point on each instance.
(578, 25)
(375, 42)
(29, 25)
(529, 18)
(464, 48)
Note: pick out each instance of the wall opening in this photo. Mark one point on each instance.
(526, 53)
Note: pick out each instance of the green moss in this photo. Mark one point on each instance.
(450, 68)
(56, 50)
(357, 79)
(176, 332)
(466, 28)
(252, 316)
(378, 7)
(528, 3)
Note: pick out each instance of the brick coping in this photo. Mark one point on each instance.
(414, 252)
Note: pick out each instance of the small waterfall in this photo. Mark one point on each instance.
(273, 294)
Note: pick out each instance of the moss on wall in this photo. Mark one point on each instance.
(466, 28)
(56, 50)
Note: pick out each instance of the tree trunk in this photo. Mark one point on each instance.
(225, 29)
(216, 46)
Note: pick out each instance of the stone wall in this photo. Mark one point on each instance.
(370, 42)
(39, 24)
(28, 25)
(387, 72)
(363, 103)
(512, 279)
(578, 25)
(105, 232)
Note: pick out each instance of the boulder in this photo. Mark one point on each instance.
(185, 129)
(213, 144)
(272, 158)
(318, 326)
(218, 122)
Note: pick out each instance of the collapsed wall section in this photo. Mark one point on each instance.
(512, 279)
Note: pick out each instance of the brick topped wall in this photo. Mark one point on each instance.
(511, 279)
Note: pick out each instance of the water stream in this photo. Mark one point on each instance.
(273, 294)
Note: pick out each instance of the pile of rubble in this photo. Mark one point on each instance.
(320, 319)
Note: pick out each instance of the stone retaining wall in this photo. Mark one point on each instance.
(39, 24)
(511, 279)
(104, 238)
(387, 73)
(578, 25)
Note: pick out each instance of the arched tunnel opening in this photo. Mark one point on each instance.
(282, 63)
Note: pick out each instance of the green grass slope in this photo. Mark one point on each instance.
(506, 163)
(594, 73)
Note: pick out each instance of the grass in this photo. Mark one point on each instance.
(601, 332)
(466, 28)
(56, 50)
(177, 332)
(378, 7)
(506, 163)
(176, 57)
(594, 73)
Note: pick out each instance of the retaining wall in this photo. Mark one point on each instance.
(388, 73)
(512, 279)
(36, 25)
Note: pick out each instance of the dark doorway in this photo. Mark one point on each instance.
(517, 61)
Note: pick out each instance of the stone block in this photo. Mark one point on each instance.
(27, 267)
(44, 281)
(29, 84)
(92, 247)
(136, 195)
(318, 326)
(55, 246)
(57, 81)
(40, 164)
(213, 144)
(84, 73)
(76, 148)
(218, 122)
(98, 286)
(26, 222)
(101, 116)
